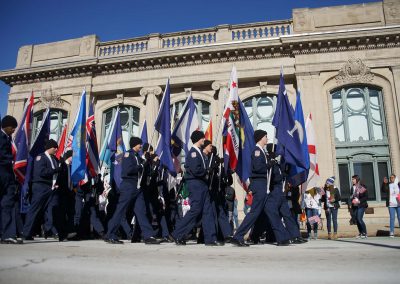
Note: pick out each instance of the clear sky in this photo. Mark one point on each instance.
(24, 22)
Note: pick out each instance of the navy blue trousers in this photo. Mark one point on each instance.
(290, 223)
(272, 206)
(200, 205)
(84, 201)
(8, 200)
(41, 194)
(130, 195)
(259, 189)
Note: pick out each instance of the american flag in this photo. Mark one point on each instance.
(314, 219)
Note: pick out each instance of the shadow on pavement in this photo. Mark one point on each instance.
(369, 244)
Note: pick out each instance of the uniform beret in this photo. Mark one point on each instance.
(51, 144)
(206, 143)
(9, 121)
(259, 134)
(134, 141)
(196, 136)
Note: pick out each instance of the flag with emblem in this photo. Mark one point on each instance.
(230, 124)
(289, 132)
(163, 127)
(38, 147)
(313, 179)
(298, 175)
(78, 133)
(22, 141)
(246, 146)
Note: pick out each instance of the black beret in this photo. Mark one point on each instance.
(196, 136)
(51, 144)
(206, 143)
(68, 154)
(259, 134)
(134, 141)
(9, 121)
(145, 147)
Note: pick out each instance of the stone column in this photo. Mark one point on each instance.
(151, 110)
(395, 117)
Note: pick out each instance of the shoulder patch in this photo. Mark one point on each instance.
(38, 158)
(126, 155)
(257, 153)
(194, 155)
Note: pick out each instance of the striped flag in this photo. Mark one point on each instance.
(230, 123)
(209, 132)
(313, 179)
(92, 153)
(22, 141)
(62, 142)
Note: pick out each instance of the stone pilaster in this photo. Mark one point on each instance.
(393, 120)
(152, 106)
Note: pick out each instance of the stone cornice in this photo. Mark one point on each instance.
(246, 50)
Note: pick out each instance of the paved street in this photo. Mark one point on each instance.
(375, 260)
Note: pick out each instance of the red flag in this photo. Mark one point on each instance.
(61, 143)
(209, 132)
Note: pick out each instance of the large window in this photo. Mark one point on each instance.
(203, 112)
(361, 138)
(260, 110)
(129, 117)
(58, 118)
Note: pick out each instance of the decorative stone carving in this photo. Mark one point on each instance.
(120, 99)
(156, 90)
(49, 98)
(354, 71)
(263, 87)
(188, 92)
(217, 85)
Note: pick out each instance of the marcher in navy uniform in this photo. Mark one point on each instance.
(217, 185)
(8, 185)
(130, 194)
(196, 172)
(44, 176)
(258, 186)
(276, 207)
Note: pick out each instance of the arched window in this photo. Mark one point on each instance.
(260, 110)
(362, 146)
(58, 118)
(203, 112)
(129, 116)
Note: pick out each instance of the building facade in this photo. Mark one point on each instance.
(345, 60)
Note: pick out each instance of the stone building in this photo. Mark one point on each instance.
(344, 59)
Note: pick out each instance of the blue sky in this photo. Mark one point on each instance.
(25, 22)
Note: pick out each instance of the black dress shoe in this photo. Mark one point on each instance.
(298, 241)
(228, 239)
(114, 241)
(12, 241)
(151, 241)
(283, 244)
(29, 238)
(239, 243)
(167, 240)
(180, 242)
(135, 241)
(214, 244)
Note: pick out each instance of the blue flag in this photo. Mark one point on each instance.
(246, 146)
(143, 136)
(289, 132)
(78, 167)
(298, 175)
(117, 148)
(163, 126)
(37, 148)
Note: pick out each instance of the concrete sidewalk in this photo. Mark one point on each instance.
(374, 260)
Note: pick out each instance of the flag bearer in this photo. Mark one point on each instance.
(8, 186)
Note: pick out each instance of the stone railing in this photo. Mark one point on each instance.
(219, 34)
